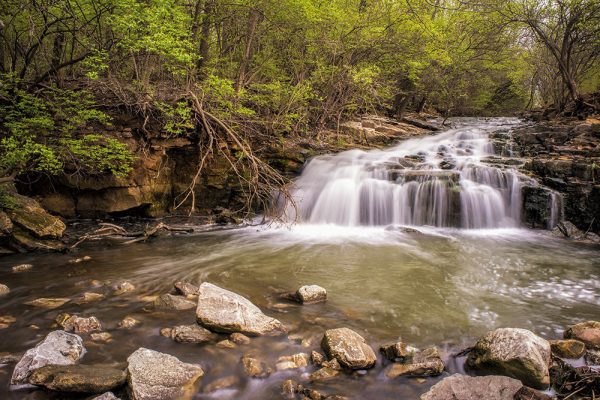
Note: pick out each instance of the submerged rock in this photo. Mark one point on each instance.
(186, 289)
(4, 289)
(222, 383)
(348, 348)
(586, 332)
(101, 337)
(173, 302)
(239, 338)
(188, 334)
(223, 311)
(78, 378)
(311, 294)
(123, 287)
(57, 348)
(397, 351)
(324, 374)
(317, 358)
(89, 297)
(49, 303)
(226, 344)
(128, 322)
(423, 363)
(568, 348)
(22, 268)
(299, 360)
(8, 358)
(255, 368)
(77, 324)
(517, 353)
(6, 321)
(152, 375)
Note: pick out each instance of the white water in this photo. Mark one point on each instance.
(434, 180)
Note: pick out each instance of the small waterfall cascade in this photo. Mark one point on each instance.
(439, 180)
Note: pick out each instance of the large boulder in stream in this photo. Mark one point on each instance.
(152, 375)
(348, 348)
(223, 311)
(517, 353)
(30, 216)
(57, 348)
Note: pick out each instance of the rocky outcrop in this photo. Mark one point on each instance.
(78, 378)
(152, 375)
(223, 311)
(348, 348)
(57, 348)
(586, 332)
(517, 353)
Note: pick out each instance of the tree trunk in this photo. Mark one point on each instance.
(204, 36)
(253, 20)
(2, 67)
(57, 54)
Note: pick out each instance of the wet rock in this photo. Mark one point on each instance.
(424, 363)
(224, 311)
(239, 338)
(592, 357)
(255, 368)
(186, 289)
(49, 303)
(123, 287)
(222, 383)
(311, 294)
(397, 351)
(586, 332)
(317, 358)
(78, 378)
(57, 348)
(172, 302)
(288, 389)
(226, 344)
(106, 396)
(22, 268)
(188, 334)
(89, 297)
(462, 387)
(77, 324)
(568, 348)
(6, 321)
(152, 375)
(324, 374)
(80, 260)
(4, 289)
(348, 348)
(332, 364)
(101, 337)
(31, 217)
(299, 360)
(8, 358)
(128, 322)
(517, 353)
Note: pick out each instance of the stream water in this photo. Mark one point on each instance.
(442, 285)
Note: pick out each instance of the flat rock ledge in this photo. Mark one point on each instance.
(348, 348)
(223, 311)
(152, 375)
(513, 352)
(78, 378)
(57, 348)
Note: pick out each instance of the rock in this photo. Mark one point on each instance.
(423, 363)
(173, 302)
(569, 348)
(317, 358)
(152, 375)
(78, 324)
(123, 287)
(397, 351)
(586, 332)
(78, 378)
(4, 290)
(332, 364)
(288, 389)
(239, 338)
(106, 396)
(222, 383)
(462, 387)
(592, 357)
(299, 360)
(188, 334)
(49, 303)
(349, 348)
(80, 260)
(8, 358)
(30, 216)
(22, 268)
(186, 289)
(6, 321)
(255, 368)
(224, 311)
(517, 353)
(311, 294)
(101, 337)
(57, 348)
(6, 225)
(226, 344)
(128, 322)
(89, 297)
(324, 374)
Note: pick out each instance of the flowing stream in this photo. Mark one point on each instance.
(441, 284)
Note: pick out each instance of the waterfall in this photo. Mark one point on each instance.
(439, 180)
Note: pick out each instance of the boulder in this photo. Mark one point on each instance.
(152, 375)
(422, 363)
(188, 334)
(568, 348)
(4, 289)
(348, 348)
(517, 353)
(311, 294)
(586, 332)
(223, 311)
(172, 302)
(57, 348)
(31, 217)
(77, 324)
(78, 378)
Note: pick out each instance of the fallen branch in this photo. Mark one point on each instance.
(112, 230)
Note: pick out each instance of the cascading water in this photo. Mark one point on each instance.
(435, 180)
